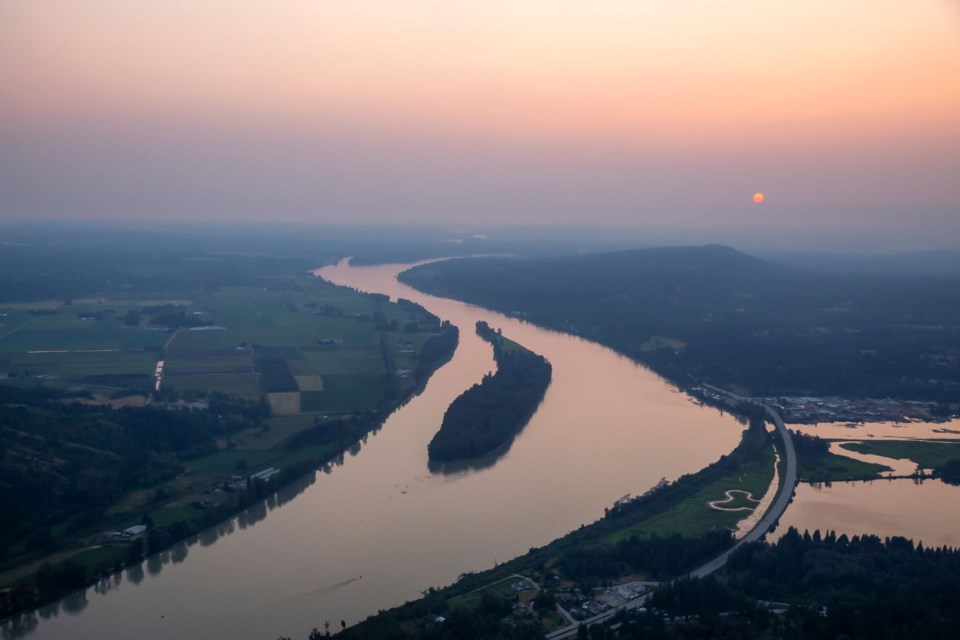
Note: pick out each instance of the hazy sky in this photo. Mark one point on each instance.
(658, 114)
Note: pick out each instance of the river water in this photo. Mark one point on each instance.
(925, 512)
(376, 530)
(921, 511)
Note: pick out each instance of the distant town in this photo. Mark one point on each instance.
(806, 410)
(814, 410)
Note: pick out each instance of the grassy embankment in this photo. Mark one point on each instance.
(693, 516)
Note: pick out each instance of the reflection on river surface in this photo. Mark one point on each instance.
(882, 430)
(921, 511)
(605, 428)
(924, 511)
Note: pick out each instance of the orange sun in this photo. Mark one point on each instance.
(758, 197)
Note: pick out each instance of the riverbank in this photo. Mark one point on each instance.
(827, 461)
(629, 541)
(200, 497)
(914, 508)
(713, 314)
(636, 427)
(487, 417)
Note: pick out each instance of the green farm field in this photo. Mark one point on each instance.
(926, 453)
(294, 334)
(345, 361)
(207, 361)
(244, 385)
(345, 393)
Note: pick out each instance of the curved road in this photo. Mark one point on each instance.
(787, 484)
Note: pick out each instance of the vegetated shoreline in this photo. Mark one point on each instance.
(50, 583)
(610, 297)
(575, 555)
(486, 417)
(684, 380)
(819, 466)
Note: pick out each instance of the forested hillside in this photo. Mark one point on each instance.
(717, 315)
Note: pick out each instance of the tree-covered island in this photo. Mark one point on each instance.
(488, 415)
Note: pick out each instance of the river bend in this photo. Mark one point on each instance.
(606, 427)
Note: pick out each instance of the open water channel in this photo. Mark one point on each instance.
(374, 531)
(924, 511)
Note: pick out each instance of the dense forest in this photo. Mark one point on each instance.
(717, 315)
(62, 463)
(855, 587)
(804, 586)
(436, 352)
(39, 262)
(488, 415)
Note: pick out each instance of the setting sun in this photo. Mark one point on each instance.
(758, 198)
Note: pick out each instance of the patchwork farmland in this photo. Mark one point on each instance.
(180, 390)
(305, 345)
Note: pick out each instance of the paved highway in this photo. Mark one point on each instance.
(787, 484)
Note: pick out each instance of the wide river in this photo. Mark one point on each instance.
(606, 427)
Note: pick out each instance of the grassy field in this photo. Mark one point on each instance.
(244, 385)
(63, 346)
(75, 327)
(928, 454)
(296, 335)
(345, 361)
(405, 347)
(343, 393)
(830, 467)
(77, 364)
(101, 558)
(280, 428)
(552, 621)
(694, 516)
(207, 361)
(321, 340)
(278, 318)
(90, 369)
(318, 340)
(498, 590)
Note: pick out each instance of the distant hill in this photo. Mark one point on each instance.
(944, 263)
(715, 314)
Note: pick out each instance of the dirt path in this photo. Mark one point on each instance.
(718, 504)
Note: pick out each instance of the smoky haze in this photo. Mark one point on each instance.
(663, 119)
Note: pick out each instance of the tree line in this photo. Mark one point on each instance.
(724, 317)
(489, 414)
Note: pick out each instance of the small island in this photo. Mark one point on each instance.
(488, 415)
